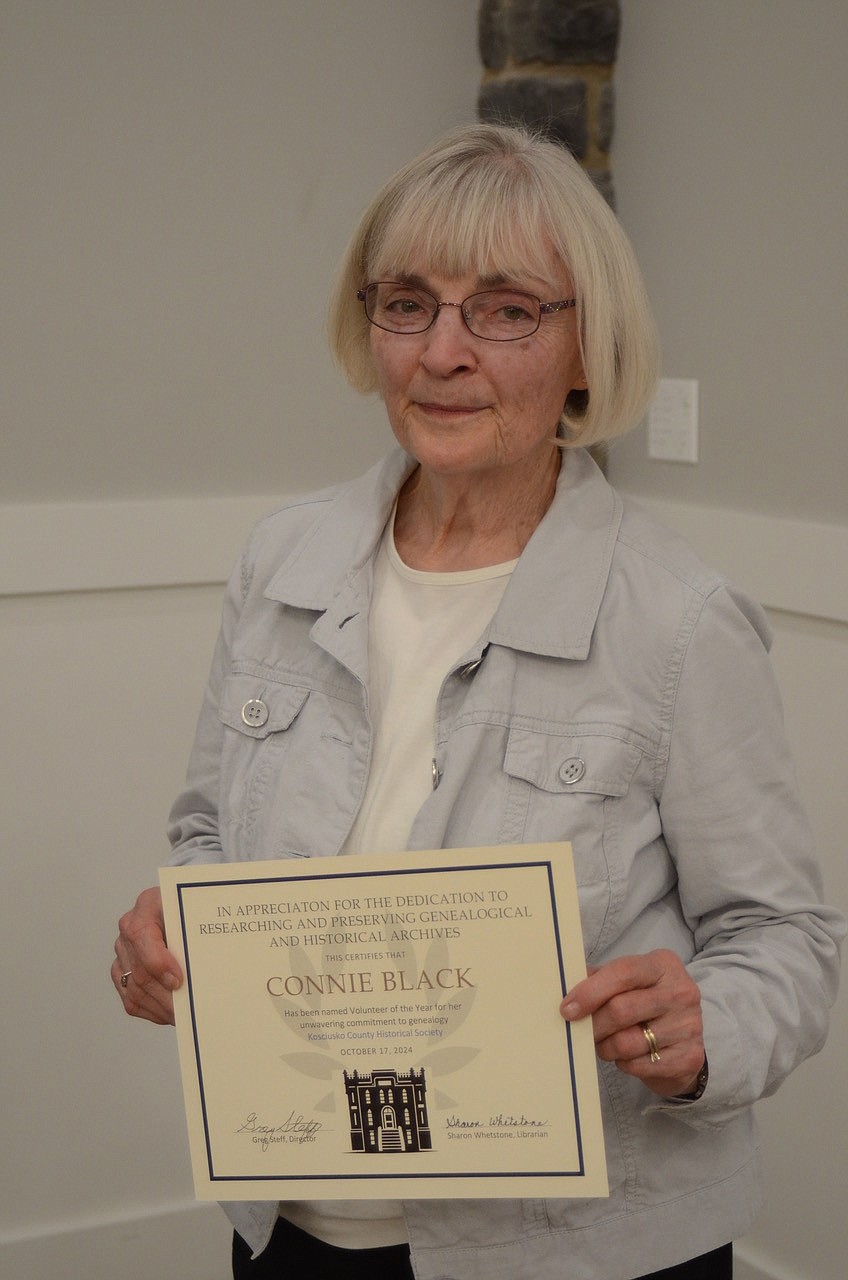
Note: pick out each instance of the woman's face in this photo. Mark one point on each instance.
(464, 405)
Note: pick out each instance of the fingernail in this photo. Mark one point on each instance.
(170, 982)
(570, 1009)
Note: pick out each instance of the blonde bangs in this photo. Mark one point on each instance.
(467, 226)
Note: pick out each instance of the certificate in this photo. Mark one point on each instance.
(385, 1026)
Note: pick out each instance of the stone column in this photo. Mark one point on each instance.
(549, 64)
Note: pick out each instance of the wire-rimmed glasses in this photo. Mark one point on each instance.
(498, 315)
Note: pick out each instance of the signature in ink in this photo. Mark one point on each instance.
(295, 1127)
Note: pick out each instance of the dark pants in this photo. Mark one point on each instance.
(307, 1258)
(293, 1253)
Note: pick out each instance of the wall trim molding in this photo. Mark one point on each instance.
(195, 1236)
(112, 546)
(50, 548)
(749, 1265)
(797, 566)
(192, 1240)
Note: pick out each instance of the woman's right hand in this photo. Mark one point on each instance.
(144, 972)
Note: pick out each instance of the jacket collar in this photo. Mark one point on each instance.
(343, 537)
(551, 604)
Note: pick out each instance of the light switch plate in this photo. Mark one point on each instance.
(673, 421)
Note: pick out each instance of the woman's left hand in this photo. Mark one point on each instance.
(633, 994)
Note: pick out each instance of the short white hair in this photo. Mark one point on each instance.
(490, 199)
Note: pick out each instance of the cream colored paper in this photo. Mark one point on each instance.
(385, 1026)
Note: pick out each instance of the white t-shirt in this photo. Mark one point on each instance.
(421, 623)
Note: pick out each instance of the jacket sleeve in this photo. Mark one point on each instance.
(193, 827)
(766, 955)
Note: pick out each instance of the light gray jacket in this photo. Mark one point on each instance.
(612, 645)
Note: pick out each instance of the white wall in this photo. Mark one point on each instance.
(179, 182)
(730, 167)
(99, 691)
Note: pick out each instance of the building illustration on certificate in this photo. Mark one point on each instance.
(388, 1111)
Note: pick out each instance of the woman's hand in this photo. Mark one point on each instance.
(144, 971)
(633, 993)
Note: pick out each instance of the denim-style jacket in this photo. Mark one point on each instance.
(612, 646)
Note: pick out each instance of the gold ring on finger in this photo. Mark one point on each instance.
(652, 1042)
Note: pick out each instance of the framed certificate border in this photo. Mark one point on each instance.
(385, 1026)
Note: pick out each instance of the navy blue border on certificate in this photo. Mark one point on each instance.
(325, 877)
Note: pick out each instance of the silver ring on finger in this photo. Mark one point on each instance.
(125, 977)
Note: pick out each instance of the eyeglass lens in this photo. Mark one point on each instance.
(498, 314)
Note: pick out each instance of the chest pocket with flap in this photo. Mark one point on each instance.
(258, 748)
(568, 763)
(574, 786)
(258, 707)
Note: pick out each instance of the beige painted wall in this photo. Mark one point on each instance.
(181, 170)
(186, 176)
(730, 165)
(179, 182)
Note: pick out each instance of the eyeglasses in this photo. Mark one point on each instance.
(499, 315)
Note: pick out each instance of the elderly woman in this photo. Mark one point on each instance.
(479, 642)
